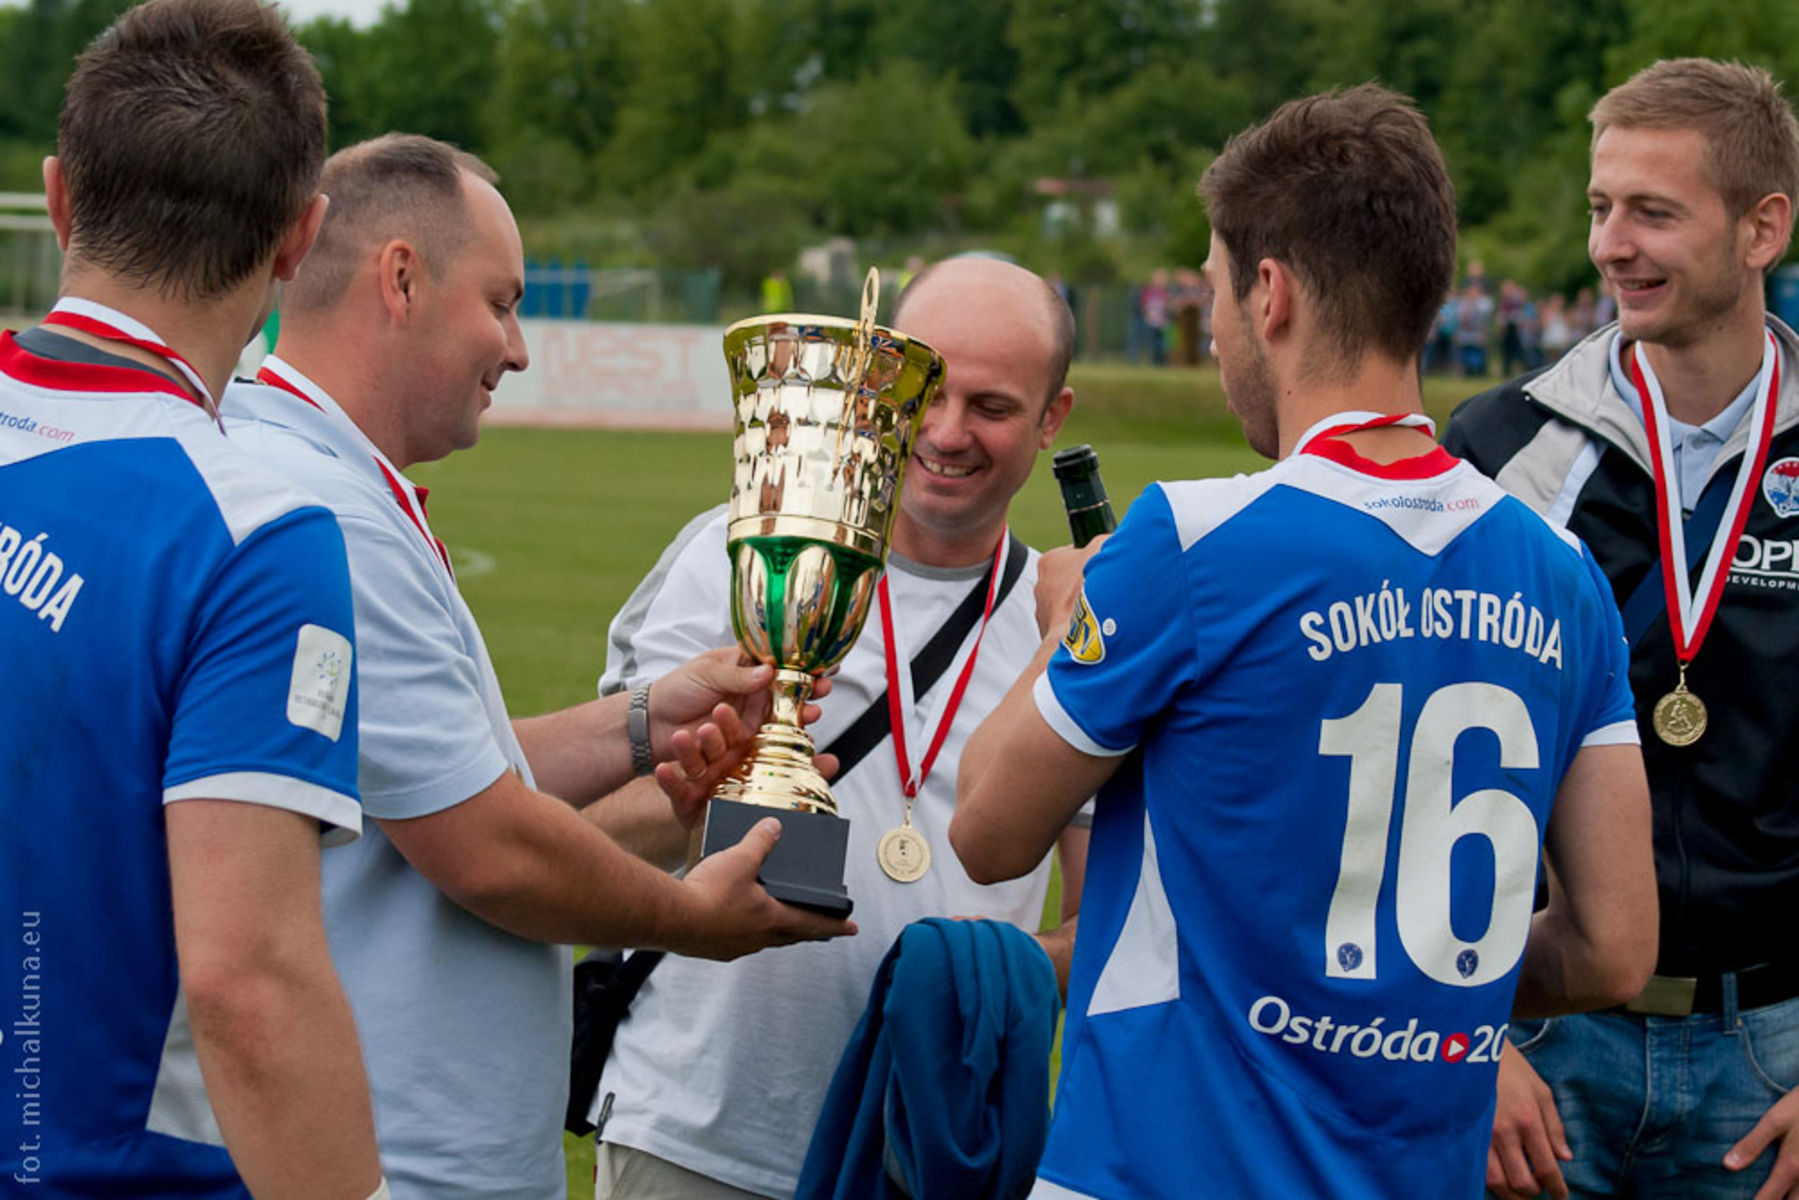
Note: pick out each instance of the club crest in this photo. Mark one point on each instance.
(1780, 484)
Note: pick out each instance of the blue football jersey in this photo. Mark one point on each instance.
(174, 624)
(1345, 698)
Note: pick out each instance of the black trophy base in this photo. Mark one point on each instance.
(806, 865)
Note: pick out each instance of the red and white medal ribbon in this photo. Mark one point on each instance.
(1690, 612)
(899, 686)
(97, 319)
(408, 495)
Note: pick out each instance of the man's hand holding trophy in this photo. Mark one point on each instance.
(826, 413)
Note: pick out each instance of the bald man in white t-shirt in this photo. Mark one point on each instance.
(717, 1078)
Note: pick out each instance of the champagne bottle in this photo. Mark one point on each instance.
(1083, 493)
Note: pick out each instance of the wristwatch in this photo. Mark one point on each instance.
(637, 729)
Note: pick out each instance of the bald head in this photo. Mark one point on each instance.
(969, 285)
(1005, 337)
(396, 187)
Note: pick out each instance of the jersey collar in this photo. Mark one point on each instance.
(1324, 439)
(61, 375)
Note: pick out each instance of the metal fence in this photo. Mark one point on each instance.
(576, 291)
(30, 262)
(1104, 313)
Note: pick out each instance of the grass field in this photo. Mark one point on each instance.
(552, 528)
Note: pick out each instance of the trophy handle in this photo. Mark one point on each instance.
(871, 303)
(865, 324)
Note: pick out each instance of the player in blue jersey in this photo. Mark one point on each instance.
(178, 721)
(1334, 710)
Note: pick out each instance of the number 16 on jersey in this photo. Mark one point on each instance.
(1431, 820)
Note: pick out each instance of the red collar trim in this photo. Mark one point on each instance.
(1421, 466)
(265, 375)
(399, 491)
(26, 367)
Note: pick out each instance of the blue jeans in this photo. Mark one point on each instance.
(1651, 1104)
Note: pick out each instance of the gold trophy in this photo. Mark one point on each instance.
(826, 412)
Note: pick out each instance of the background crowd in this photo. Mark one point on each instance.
(1483, 329)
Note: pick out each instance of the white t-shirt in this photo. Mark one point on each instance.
(465, 1028)
(722, 1067)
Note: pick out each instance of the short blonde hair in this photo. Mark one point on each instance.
(1751, 137)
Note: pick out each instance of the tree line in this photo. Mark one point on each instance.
(728, 133)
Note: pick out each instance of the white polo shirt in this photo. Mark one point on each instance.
(465, 1028)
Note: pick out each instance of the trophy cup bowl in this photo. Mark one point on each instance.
(826, 412)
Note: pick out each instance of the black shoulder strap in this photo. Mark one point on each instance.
(605, 989)
(605, 985)
(928, 665)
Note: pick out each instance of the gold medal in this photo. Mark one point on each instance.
(1679, 717)
(903, 854)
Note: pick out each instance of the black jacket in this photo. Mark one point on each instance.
(1726, 808)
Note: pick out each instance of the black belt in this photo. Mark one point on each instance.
(1682, 996)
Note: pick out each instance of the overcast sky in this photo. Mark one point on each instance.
(360, 12)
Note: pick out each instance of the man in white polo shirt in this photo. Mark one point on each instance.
(445, 920)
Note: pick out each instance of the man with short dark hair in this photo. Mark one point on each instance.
(1333, 709)
(449, 920)
(1669, 442)
(179, 713)
(722, 1068)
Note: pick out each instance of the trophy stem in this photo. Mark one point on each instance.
(778, 772)
(791, 690)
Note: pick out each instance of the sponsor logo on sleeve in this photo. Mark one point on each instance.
(1780, 484)
(1086, 639)
(320, 687)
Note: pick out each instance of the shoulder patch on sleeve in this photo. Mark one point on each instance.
(1085, 639)
(320, 687)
